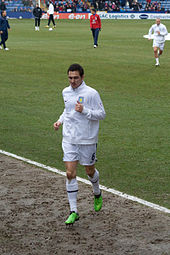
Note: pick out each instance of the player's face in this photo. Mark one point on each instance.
(4, 14)
(75, 79)
(158, 22)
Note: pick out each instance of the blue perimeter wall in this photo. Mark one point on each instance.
(20, 15)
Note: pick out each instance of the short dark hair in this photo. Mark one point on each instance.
(76, 67)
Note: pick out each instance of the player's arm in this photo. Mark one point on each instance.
(150, 33)
(1, 32)
(99, 20)
(8, 26)
(57, 124)
(60, 121)
(96, 111)
(164, 31)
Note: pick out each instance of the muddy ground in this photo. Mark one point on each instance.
(33, 208)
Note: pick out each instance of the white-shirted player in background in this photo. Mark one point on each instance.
(51, 13)
(160, 31)
(80, 119)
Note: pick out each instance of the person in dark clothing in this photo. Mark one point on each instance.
(4, 26)
(37, 12)
(2, 6)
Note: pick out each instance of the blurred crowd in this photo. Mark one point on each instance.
(108, 5)
(74, 6)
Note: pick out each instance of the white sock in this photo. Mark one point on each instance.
(157, 60)
(72, 189)
(95, 182)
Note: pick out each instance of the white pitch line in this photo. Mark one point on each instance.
(113, 191)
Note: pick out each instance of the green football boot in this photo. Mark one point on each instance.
(98, 201)
(72, 218)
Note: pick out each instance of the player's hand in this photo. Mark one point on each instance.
(158, 32)
(78, 107)
(57, 125)
(1, 32)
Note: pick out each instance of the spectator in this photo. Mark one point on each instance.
(2, 6)
(162, 8)
(4, 27)
(37, 12)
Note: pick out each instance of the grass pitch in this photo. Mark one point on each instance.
(134, 146)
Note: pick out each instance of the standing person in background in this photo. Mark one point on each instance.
(80, 119)
(51, 12)
(4, 26)
(160, 31)
(37, 12)
(2, 6)
(95, 25)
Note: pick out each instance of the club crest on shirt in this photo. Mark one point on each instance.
(81, 100)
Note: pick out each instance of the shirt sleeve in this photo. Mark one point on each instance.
(150, 32)
(91, 21)
(61, 118)
(8, 26)
(99, 20)
(96, 112)
(164, 31)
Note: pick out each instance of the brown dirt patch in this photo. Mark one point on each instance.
(33, 208)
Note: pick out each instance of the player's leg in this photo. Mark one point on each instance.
(160, 52)
(38, 23)
(96, 36)
(53, 21)
(35, 24)
(1, 42)
(71, 184)
(93, 34)
(71, 160)
(93, 176)
(88, 158)
(161, 48)
(72, 190)
(49, 20)
(155, 49)
(5, 38)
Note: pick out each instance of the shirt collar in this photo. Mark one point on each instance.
(79, 87)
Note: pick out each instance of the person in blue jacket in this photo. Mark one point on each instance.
(4, 26)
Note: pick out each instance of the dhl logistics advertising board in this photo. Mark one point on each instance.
(105, 15)
(83, 16)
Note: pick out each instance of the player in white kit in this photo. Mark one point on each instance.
(80, 119)
(160, 31)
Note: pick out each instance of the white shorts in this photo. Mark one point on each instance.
(84, 153)
(159, 45)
